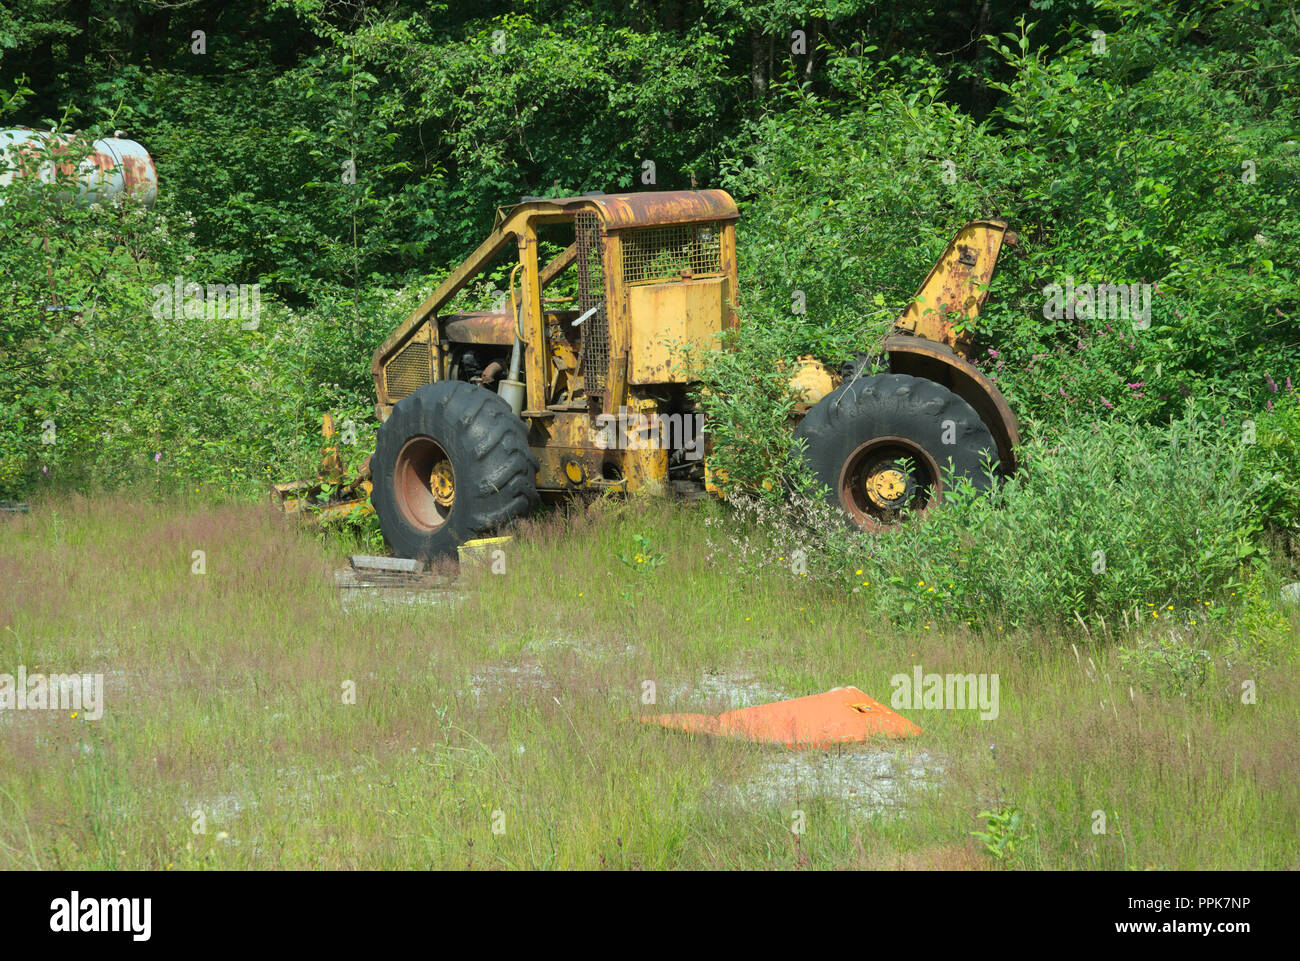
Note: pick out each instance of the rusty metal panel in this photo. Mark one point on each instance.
(666, 317)
(664, 207)
(566, 440)
(620, 211)
(950, 299)
(480, 327)
(122, 167)
(532, 321)
(727, 251)
(489, 327)
(112, 167)
(669, 253)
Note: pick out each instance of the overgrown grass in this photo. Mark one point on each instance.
(225, 695)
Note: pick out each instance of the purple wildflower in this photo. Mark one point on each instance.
(1272, 384)
(1107, 404)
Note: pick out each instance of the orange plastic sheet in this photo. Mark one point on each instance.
(837, 717)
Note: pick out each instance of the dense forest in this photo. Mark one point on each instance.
(343, 155)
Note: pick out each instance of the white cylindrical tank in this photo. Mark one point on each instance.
(110, 167)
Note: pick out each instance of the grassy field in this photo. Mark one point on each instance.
(498, 729)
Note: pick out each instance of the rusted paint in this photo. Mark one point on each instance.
(671, 326)
(730, 271)
(644, 209)
(566, 437)
(110, 167)
(948, 302)
(920, 358)
(532, 322)
(482, 327)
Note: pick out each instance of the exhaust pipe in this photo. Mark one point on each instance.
(512, 388)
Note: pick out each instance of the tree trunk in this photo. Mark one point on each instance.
(757, 78)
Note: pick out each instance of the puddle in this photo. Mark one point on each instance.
(717, 691)
(592, 651)
(495, 678)
(867, 781)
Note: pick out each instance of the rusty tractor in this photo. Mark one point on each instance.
(485, 413)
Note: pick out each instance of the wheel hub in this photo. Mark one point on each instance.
(886, 487)
(886, 478)
(442, 483)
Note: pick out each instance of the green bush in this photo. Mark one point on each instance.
(1262, 633)
(1129, 522)
(1167, 666)
(1099, 523)
(1274, 457)
(99, 389)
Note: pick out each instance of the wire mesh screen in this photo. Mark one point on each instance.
(410, 370)
(662, 253)
(591, 293)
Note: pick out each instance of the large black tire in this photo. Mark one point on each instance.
(882, 444)
(494, 474)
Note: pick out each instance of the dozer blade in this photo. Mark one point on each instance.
(306, 500)
(309, 501)
(841, 716)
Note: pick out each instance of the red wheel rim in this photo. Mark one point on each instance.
(424, 484)
(885, 477)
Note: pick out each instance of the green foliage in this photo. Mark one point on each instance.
(1160, 162)
(748, 405)
(850, 208)
(1263, 633)
(1096, 525)
(1007, 834)
(358, 528)
(1274, 458)
(643, 558)
(1167, 665)
(103, 384)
